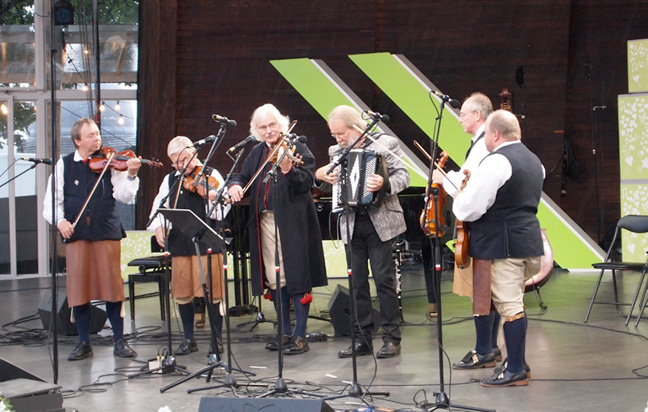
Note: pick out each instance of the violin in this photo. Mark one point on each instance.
(117, 161)
(431, 224)
(283, 144)
(197, 182)
(462, 258)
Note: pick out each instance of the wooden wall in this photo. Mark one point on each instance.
(203, 57)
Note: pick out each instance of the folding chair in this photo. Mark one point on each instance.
(632, 223)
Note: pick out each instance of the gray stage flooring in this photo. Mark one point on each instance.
(598, 366)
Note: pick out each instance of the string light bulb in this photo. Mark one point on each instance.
(121, 120)
(85, 87)
(4, 109)
(117, 106)
(102, 106)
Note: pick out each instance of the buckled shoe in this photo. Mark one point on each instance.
(361, 349)
(123, 350)
(505, 378)
(82, 351)
(297, 346)
(272, 345)
(186, 347)
(499, 369)
(474, 360)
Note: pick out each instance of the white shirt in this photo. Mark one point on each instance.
(481, 190)
(124, 189)
(164, 190)
(453, 181)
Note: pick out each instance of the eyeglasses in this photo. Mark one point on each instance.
(267, 126)
(462, 115)
(340, 135)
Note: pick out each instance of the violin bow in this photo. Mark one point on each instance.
(436, 165)
(85, 205)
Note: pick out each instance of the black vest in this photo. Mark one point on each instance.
(99, 220)
(181, 244)
(510, 228)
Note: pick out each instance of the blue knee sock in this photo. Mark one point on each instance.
(187, 313)
(515, 334)
(82, 319)
(484, 330)
(113, 309)
(285, 305)
(496, 320)
(301, 315)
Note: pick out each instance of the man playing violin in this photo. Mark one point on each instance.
(501, 201)
(92, 234)
(190, 191)
(288, 205)
(373, 230)
(472, 116)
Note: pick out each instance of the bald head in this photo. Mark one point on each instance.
(501, 126)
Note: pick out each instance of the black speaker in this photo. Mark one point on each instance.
(263, 405)
(339, 307)
(98, 316)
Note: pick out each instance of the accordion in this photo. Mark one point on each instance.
(361, 165)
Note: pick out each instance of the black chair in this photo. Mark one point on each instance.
(632, 223)
(151, 269)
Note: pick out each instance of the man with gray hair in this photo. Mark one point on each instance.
(373, 229)
(472, 116)
(501, 201)
(288, 206)
(187, 279)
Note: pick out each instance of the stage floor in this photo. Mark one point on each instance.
(598, 366)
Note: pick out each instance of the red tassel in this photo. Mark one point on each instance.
(308, 298)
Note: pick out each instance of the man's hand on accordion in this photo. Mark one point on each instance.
(330, 178)
(375, 183)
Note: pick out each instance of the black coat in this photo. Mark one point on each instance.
(296, 220)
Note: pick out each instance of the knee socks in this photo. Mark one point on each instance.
(82, 319)
(515, 334)
(285, 306)
(301, 315)
(484, 331)
(113, 310)
(187, 317)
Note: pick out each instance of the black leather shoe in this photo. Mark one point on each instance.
(361, 349)
(186, 347)
(474, 360)
(499, 369)
(297, 346)
(498, 354)
(123, 350)
(272, 345)
(388, 350)
(83, 350)
(506, 378)
(219, 345)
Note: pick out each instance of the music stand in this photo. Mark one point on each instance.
(187, 222)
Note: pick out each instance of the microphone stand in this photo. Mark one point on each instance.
(355, 390)
(442, 400)
(168, 363)
(280, 386)
(230, 381)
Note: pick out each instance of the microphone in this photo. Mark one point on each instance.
(223, 119)
(200, 143)
(382, 117)
(242, 143)
(453, 102)
(294, 137)
(36, 160)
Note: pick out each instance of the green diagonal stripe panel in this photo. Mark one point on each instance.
(411, 94)
(324, 90)
(409, 88)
